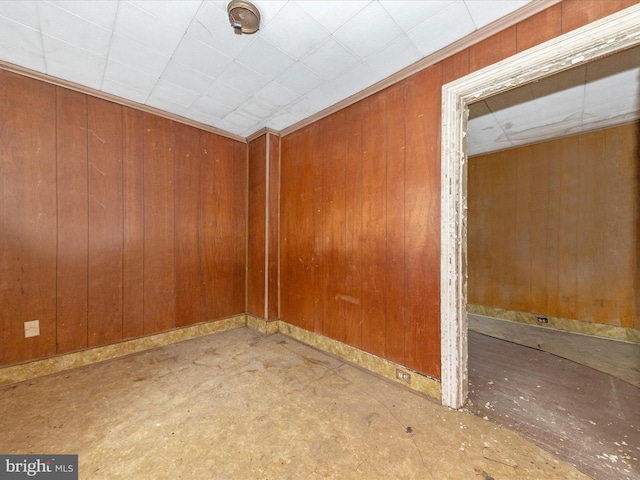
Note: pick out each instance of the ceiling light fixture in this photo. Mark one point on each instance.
(243, 16)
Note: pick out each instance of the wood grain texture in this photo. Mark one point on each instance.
(73, 221)
(133, 223)
(274, 226)
(422, 222)
(539, 28)
(577, 13)
(455, 67)
(553, 228)
(495, 48)
(105, 222)
(187, 175)
(159, 246)
(257, 227)
(28, 217)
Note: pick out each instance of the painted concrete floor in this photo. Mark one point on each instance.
(239, 405)
(588, 418)
(614, 357)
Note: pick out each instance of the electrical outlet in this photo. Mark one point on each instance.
(543, 320)
(404, 376)
(32, 328)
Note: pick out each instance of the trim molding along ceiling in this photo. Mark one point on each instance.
(593, 41)
(530, 9)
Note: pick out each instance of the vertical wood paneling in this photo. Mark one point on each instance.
(422, 221)
(296, 228)
(73, 220)
(574, 250)
(105, 222)
(395, 288)
(159, 261)
(229, 219)
(273, 215)
(331, 152)
(353, 225)
(187, 171)
(539, 28)
(493, 49)
(27, 216)
(455, 67)
(133, 228)
(257, 226)
(576, 13)
(374, 223)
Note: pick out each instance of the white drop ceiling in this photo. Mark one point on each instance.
(183, 57)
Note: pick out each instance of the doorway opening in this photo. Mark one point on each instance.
(607, 36)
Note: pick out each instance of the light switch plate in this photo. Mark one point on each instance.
(32, 328)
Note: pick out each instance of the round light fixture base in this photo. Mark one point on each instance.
(243, 16)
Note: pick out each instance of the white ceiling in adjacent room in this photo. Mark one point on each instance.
(183, 57)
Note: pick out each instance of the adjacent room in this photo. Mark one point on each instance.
(226, 236)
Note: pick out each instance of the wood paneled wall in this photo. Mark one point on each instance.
(554, 228)
(262, 288)
(113, 223)
(360, 224)
(360, 204)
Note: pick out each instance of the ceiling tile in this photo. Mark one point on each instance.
(17, 40)
(409, 14)
(126, 75)
(165, 90)
(330, 59)
(357, 79)
(268, 9)
(209, 105)
(484, 12)
(201, 117)
(265, 58)
(98, 12)
(226, 94)
(243, 78)
(283, 120)
(144, 28)
(359, 35)
(443, 28)
(276, 94)
(394, 57)
(186, 77)
(132, 54)
(73, 63)
(299, 78)
(177, 13)
(124, 91)
(21, 11)
(237, 122)
(201, 57)
(325, 95)
(166, 105)
(257, 108)
(294, 31)
(211, 26)
(330, 16)
(303, 107)
(72, 29)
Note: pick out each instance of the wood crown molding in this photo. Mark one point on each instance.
(532, 8)
(26, 72)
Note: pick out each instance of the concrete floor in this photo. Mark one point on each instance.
(239, 405)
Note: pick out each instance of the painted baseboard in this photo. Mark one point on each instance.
(559, 323)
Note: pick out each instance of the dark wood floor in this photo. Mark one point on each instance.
(585, 417)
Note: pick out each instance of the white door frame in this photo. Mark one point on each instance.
(616, 32)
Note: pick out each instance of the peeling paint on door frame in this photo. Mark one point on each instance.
(598, 39)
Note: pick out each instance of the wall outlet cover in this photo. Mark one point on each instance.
(32, 328)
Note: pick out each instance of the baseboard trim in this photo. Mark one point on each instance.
(380, 366)
(559, 323)
(60, 363)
